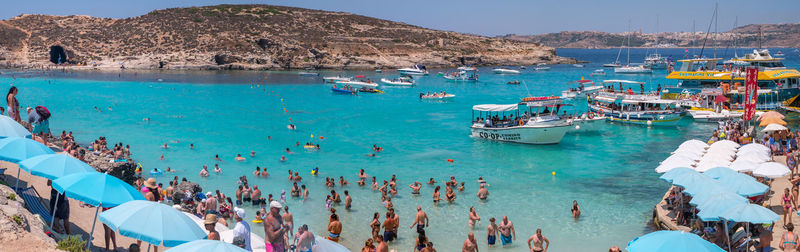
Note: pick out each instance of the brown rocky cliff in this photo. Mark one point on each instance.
(253, 37)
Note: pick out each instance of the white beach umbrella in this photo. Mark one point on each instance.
(679, 158)
(773, 127)
(718, 156)
(755, 157)
(694, 142)
(698, 150)
(665, 167)
(741, 165)
(743, 152)
(725, 143)
(685, 155)
(754, 146)
(722, 148)
(772, 170)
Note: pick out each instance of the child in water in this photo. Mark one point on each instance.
(283, 197)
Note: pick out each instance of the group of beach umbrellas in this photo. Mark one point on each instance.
(131, 214)
(702, 157)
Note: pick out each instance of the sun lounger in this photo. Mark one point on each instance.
(35, 204)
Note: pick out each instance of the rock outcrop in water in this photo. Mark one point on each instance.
(251, 37)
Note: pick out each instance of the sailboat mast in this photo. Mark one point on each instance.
(716, 18)
(630, 34)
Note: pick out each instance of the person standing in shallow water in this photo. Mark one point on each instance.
(13, 104)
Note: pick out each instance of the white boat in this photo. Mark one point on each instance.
(308, 73)
(402, 81)
(628, 107)
(357, 83)
(415, 70)
(436, 96)
(656, 61)
(612, 65)
(334, 79)
(541, 68)
(505, 71)
(598, 72)
(713, 116)
(378, 71)
(463, 74)
(577, 65)
(779, 54)
(588, 121)
(581, 91)
(633, 69)
(538, 125)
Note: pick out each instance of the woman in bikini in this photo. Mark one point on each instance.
(451, 195)
(789, 239)
(788, 201)
(436, 197)
(375, 225)
(13, 104)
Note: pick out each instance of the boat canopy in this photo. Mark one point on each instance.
(605, 99)
(622, 81)
(631, 101)
(495, 107)
(580, 81)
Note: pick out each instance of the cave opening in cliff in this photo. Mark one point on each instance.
(57, 54)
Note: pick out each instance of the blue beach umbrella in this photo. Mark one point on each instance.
(688, 180)
(96, 189)
(53, 166)
(208, 246)
(701, 187)
(11, 128)
(711, 210)
(671, 174)
(153, 222)
(719, 172)
(752, 213)
(714, 195)
(15, 149)
(668, 241)
(743, 185)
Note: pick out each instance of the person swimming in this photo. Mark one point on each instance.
(217, 169)
(283, 158)
(239, 157)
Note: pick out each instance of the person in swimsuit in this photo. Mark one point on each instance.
(13, 104)
(491, 232)
(537, 240)
(274, 228)
(470, 245)
(473, 217)
(483, 193)
(788, 201)
(334, 228)
(388, 227)
(451, 195)
(576, 210)
(375, 224)
(288, 219)
(421, 221)
(362, 177)
(304, 239)
(789, 239)
(348, 201)
(421, 243)
(415, 187)
(507, 232)
(436, 197)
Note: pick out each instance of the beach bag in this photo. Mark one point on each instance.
(43, 112)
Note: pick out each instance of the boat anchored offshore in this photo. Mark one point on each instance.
(436, 96)
(633, 69)
(463, 74)
(334, 79)
(656, 61)
(540, 124)
(628, 107)
(505, 71)
(402, 81)
(359, 83)
(346, 89)
(581, 91)
(415, 70)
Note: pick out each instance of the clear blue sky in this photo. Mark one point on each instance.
(485, 17)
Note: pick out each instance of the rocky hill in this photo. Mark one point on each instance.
(251, 37)
(772, 35)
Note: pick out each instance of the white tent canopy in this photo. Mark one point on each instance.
(622, 81)
(495, 107)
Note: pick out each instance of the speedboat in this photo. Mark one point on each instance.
(369, 90)
(334, 79)
(539, 124)
(402, 81)
(589, 121)
(581, 91)
(505, 71)
(612, 65)
(779, 54)
(436, 96)
(633, 69)
(344, 90)
(577, 65)
(598, 72)
(544, 68)
(378, 71)
(415, 70)
(359, 83)
(308, 73)
(655, 61)
(514, 82)
(463, 74)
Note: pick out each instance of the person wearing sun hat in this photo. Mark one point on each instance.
(274, 228)
(211, 223)
(152, 190)
(241, 232)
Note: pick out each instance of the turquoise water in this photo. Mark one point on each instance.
(610, 173)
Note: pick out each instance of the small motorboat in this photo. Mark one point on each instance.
(505, 71)
(542, 68)
(415, 70)
(436, 96)
(308, 74)
(334, 79)
(378, 71)
(779, 54)
(344, 90)
(577, 65)
(359, 83)
(514, 82)
(598, 72)
(522, 67)
(611, 65)
(369, 90)
(633, 69)
(402, 81)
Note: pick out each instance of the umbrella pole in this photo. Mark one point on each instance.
(16, 187)
(91, 234)
(53, 215)
(727, 236)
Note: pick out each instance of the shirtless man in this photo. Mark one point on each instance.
(297, 177)
(483, 193)
(388, 228)
(382, 246)
(305, 192)
(431, 182)
(470, 245)
(239, 195)
(211, 203)
(304, 240)
(246, 193)
(507, 232)
(421, 221)
(295, 190)
(204, 171)
(415, 187)
(335, 197)
(256, 195)
(170, 192)
(537, 240)
(274, 228)
(491, 232)
(347, 200)
(257, 172)
(288, 219)
(239, 157)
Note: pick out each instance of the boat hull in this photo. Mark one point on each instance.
(654, 119)
(396, 83)
(343, 91)
(522, 134)
(711, 116)
(588, 125)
